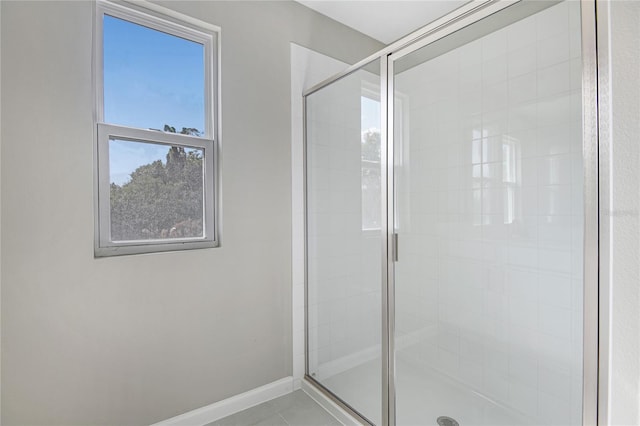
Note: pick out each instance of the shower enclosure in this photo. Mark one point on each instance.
(451, 222)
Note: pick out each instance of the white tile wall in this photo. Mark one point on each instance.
(491, 215)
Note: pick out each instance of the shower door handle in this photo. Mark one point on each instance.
(394, 249)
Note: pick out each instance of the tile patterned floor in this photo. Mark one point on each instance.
(294, 409)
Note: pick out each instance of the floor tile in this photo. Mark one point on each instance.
(308, 416)
(275, 420)
(248, 417)
(294, 409)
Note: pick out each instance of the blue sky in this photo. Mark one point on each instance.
(150, 79)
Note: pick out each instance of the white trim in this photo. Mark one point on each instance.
(0, 232)
(172, 14)
(157, 21)
(331, 407)
(226, 407)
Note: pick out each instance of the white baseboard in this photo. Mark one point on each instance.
(332, 408)
(226, 407)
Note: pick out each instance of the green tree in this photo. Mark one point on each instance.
(185, 130)
(161, 200)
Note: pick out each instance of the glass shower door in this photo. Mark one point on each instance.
(344, 239)
(489, 216)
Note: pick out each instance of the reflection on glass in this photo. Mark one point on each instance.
(511, 177)
(371, 189)
(156, 191)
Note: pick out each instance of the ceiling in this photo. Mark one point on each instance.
(384, 20)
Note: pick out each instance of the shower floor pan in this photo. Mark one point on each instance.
(422, 397)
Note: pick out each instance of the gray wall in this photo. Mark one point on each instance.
(138, 339)
(623, 218)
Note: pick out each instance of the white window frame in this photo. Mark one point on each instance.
(172, 23)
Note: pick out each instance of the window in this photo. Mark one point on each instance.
(156, 127)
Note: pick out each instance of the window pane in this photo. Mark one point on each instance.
(152, 80)
(156, 191)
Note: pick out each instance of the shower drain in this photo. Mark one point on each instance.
(447, 421)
